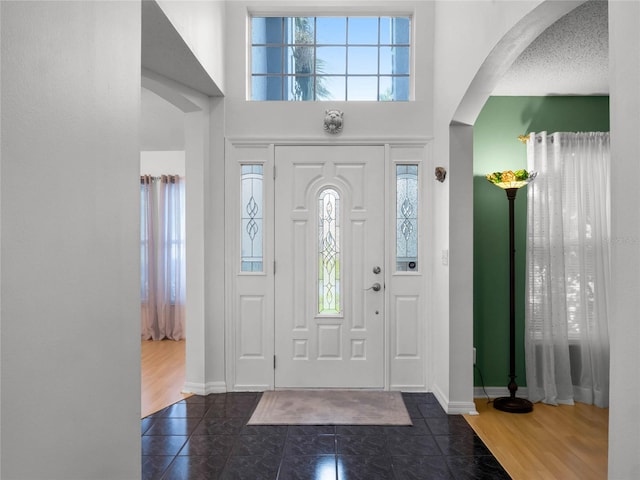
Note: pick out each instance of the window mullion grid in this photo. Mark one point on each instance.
(346, 63)
(314, 74)
(283, 54)
(286, 74)
(378, 70)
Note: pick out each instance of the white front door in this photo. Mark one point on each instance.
(329, 261)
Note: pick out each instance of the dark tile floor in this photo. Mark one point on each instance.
(208, 438)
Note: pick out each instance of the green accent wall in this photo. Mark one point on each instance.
(497, 148)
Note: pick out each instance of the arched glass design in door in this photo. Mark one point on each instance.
(329, 252)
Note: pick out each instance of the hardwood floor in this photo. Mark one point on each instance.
(563, 442)
(162, 374)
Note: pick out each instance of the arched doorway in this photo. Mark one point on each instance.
(460, 149)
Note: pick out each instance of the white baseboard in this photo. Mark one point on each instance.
(449, 407)
(204, 388)
(453, 408)
(251, 388)
(461, 408)
(408, 388)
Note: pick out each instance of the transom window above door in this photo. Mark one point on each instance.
(330, 58)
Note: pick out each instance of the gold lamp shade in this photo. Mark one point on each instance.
(510, 179)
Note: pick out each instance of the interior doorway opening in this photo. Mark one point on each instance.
(174, 142)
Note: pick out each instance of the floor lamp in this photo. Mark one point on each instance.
(510, 182)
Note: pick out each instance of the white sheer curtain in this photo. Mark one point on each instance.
(566, 338)
(162, 250)
(148, 220)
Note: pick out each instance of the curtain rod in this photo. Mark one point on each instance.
(154, 179)
(525, 138)
(157, 177)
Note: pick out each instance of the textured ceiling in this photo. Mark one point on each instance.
(571, 57)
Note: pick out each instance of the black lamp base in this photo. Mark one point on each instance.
(513, 405)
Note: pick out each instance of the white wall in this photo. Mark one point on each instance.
(156, 163)
(215, 248)
(624, 82)
(275, 120)
(202, 26)
(70, 264)
(161, 124)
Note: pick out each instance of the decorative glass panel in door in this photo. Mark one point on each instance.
(251, 212)
(329, 252)
(406, 217)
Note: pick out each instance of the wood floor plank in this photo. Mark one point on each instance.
(567, 442)
(162, 374)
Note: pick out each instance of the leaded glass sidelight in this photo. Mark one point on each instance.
(406, 218)
(329, 252)
(251, 212)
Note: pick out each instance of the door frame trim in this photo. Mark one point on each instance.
(255, 372)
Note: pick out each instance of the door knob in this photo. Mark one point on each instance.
(376, 287)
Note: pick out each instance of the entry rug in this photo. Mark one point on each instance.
(330, 407)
